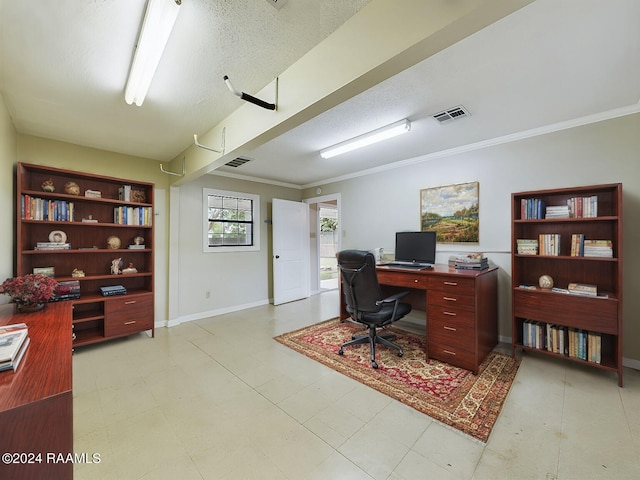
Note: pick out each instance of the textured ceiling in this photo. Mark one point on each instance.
(64, 65)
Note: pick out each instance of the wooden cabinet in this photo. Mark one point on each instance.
(101, 221)
(462, 325)
(461, 310)
(595, 320)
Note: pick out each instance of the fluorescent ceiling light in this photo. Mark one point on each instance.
(158, 22)
(393, 130)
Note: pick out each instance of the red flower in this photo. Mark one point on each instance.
(30, 288)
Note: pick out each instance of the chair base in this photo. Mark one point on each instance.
(372, 339)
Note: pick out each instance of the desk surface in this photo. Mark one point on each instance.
(45, 369)
(437, 269)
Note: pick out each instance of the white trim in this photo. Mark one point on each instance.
(205, 221)
(215, 313)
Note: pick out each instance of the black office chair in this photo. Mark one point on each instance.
(364, 301)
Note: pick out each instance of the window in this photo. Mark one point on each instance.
(231, 221)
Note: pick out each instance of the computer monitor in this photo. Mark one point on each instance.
(418, 248)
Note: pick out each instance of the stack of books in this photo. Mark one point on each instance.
(598, 248)
(471, 261)
(69, 290)
(583, 289)
(52, 246)
(557, 211)
(526, 246)
(14, 340)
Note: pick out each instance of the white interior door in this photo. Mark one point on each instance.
(290, 250)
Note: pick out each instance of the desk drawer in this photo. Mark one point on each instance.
(450, 299)
(452, 284)
(443, 332)
(452, 355)
(450, 314)
(128, 315)
(403, 279)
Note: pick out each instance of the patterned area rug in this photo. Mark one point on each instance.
(451, 395)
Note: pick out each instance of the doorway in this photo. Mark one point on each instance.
(325, 235)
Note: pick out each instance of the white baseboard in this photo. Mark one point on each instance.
(212, 313)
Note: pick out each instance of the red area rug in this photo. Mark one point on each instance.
(454, 396)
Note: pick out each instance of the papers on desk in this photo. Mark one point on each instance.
(14, 340)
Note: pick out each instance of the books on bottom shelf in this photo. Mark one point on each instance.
(571, 342)
(14, 340)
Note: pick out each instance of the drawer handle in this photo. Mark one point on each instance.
(450, 328)
(130, 323)
(130, 302)
(450, 352)
(451, 283)
(450, 299)
(415, 281)
(453, 314)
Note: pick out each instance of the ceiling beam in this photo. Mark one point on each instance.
(381, 40)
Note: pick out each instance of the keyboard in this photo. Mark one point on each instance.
(406, 266)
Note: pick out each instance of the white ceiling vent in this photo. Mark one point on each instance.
(238, 162)
(451, 114)
(276, 3)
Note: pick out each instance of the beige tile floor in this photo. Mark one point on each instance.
(219, 399)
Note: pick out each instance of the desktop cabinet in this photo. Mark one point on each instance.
(461, 310)
(76, 226)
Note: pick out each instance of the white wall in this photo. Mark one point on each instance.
(604, 152)
(234, 280)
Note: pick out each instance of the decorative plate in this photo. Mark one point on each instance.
(113, 242)
(57, 236)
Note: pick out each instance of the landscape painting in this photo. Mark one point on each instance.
(452, 211)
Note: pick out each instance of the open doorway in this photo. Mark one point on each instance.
(328, 245)
(325, 234)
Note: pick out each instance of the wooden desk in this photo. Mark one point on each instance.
(36, 403)
(461, 310)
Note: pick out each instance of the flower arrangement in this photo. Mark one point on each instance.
(30, 289)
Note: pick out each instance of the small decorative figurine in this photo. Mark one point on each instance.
(116, 264)
(138, 240)
(113, 242)
(130, 269)
(71, 188)
(77, 273)
(545, 281)
(47, 186)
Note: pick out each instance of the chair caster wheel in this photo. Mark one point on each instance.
(374, 364)
(340, 352)
(400, 354)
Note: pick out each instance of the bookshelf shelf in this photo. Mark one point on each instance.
(40, 213)
(598, 318)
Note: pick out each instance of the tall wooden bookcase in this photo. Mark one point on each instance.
(547, 311)
(102, 219)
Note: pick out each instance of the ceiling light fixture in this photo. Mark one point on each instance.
(390, 131)
(159, 19)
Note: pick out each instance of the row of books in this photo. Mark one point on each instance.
(549, 244)
(572, 342)
(576, 207)
(14, 340)
(470, 261)
(35, 208)
(133, 216)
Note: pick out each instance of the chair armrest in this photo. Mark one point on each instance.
(393, 298)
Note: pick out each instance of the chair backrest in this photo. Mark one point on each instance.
(359, 281)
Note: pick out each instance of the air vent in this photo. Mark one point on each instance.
(451, 114)
(238, 162)
(276, 3)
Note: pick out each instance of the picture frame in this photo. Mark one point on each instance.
(452, 211)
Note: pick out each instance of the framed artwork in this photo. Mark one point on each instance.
(452, 211)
